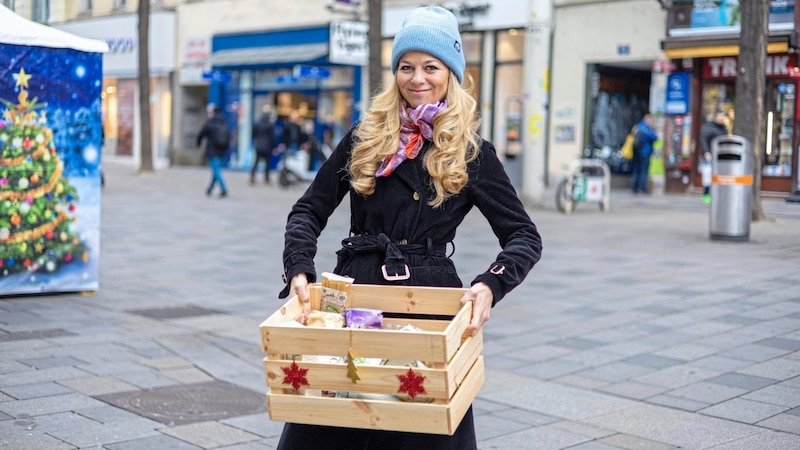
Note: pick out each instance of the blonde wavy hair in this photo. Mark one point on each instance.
(455, 140)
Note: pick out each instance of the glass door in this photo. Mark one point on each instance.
(777, 155)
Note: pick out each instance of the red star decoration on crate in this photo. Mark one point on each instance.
(295, 376)
(411, 383)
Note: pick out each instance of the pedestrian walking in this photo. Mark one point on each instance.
(643, 141)
(217, 135)
(412, 169)
(263, 144)
(292, 136)
(708, 132)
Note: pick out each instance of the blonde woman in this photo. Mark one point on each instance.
(413, 169)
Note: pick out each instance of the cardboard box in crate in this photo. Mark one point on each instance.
(451, 379)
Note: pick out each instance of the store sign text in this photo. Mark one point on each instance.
(727, 67)
(349, 43)
(196, 50)
(120, 44)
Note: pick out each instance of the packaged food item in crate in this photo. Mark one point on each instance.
(335, 292)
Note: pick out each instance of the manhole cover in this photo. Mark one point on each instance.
(176, 312)
(179, 405)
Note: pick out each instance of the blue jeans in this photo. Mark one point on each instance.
(639, 170)
(216, 174)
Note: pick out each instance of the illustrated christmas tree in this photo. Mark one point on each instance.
(37, 203)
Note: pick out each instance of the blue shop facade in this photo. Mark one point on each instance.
(316, 71)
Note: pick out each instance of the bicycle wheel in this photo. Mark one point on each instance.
(564, 201)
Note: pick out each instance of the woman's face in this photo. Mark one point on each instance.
(422, 78)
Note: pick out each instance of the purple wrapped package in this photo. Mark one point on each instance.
(363, 318)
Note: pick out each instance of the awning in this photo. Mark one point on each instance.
(269, 55)
(708, 51)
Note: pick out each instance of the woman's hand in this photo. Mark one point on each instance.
(481, 297)
(299, 287)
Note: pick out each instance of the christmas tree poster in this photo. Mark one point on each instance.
(50, 146)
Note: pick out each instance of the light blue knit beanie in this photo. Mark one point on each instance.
(433, 30)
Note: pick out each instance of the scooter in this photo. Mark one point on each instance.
(293, 168)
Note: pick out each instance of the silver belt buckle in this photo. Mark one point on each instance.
(396, 277)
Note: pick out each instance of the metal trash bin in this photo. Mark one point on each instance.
(731, 188)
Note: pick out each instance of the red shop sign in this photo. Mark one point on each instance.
(778, 65)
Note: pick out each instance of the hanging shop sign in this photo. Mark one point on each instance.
(677, 93)
(349, 43)
(777, 65)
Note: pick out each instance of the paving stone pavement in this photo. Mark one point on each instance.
(635, 331)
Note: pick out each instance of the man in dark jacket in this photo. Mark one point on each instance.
(263, 144)
(293, 136)
(708, 132)
(218, 137)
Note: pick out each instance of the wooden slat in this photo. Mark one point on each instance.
(457, 329)
(385, 344)
(407, 299)
(389, 344)
(357, 413)
(463, 361)
(377, 414)
(467, 392)
(373, 379)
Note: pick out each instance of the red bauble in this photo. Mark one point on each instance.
(49, 234)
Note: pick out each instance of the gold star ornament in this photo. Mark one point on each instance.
(22, 78)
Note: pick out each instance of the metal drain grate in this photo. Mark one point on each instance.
(176, 312)
(190, 403)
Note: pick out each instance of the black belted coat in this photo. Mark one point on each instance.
(395, 232)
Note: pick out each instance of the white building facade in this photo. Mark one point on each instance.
(120, 87)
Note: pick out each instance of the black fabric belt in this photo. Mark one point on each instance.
(394, 262)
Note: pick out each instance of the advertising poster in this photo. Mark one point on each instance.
(50, 147)
(727, 13)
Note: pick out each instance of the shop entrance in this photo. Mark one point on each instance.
(777, 153)
(620, 97)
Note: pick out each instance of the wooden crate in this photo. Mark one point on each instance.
(453, 375)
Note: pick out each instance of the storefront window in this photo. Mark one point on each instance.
(326, 101)
(473, 43)
(780, 109)
(118, 116)
(777, 152)
(508, 88)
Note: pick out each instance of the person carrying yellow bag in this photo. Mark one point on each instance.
(627, 147)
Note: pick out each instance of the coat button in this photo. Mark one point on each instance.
(416, 196)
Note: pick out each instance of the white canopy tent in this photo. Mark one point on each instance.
(17, 30)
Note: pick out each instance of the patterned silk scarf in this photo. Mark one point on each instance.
(416, 126)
